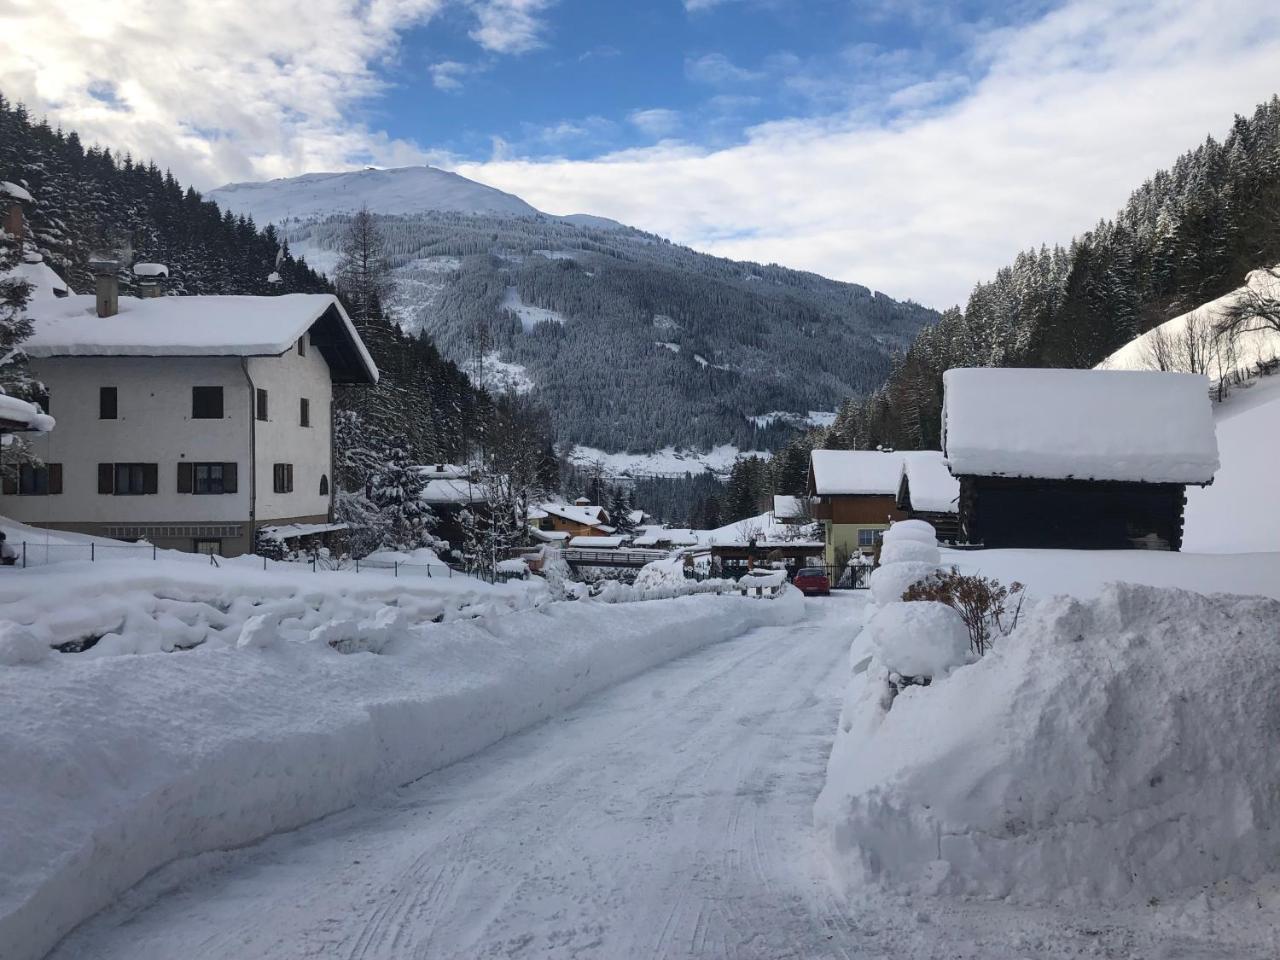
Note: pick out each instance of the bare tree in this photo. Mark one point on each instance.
(364, 275)
(1256, 307)
(1191, 349)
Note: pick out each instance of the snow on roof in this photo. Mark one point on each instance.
(1079, 424)
(444, 471)
(235, 326)
(150, 270)
(789, 508)
(48, 290)
(597, 543)
(288, 531)
(452, 492)
(548, 536)
(931, 486)
(23, 415)
(591, 516)
(10, 189)
(855, 472)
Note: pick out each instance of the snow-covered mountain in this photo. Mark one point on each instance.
(402, 190)
(634, 344)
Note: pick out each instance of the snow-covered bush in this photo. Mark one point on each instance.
(22, 644)
(918, 639)
(982, 603)
(890, 581)
(1105, 752)
(909, 551)
(918, 530)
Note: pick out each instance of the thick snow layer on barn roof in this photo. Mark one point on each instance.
(931, 486)
(222, 326)
(1079, 425)
(856, 472)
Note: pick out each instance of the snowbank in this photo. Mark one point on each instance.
(1119, 748)
(115, 766)
(660, 580)
(908, 551)
(889, 582)
(922, 638)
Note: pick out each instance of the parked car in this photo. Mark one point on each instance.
(762, 582)
(813, 582)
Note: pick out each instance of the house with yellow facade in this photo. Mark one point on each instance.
(854, 496)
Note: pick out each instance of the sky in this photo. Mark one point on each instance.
(911, 145)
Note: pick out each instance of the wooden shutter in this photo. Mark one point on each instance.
(10, 486)
(288, 478)
(185, 473)
(106, 478)
(55, 478)
(150, 478)
(229, 480)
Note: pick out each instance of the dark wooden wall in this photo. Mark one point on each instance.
(1071, 514)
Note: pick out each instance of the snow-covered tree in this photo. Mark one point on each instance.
(363, 273)
(397, 493)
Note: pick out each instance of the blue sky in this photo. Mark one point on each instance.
(610, 76)
(911, 145)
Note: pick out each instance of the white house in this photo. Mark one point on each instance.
(190, 422)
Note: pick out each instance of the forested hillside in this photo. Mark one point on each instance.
(631, 342)
(1189, 234)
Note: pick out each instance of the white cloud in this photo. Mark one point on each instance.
(1075, 111)
(656, 122)
(223, 91)
(718, 70)
(448, 74)
(509, 26)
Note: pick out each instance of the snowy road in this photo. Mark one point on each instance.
(667, 817)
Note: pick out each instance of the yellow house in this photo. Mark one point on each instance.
(854, 495)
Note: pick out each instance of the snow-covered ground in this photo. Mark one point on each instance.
(667, 461)
(313, 694)
(530, 316)
(498, 375)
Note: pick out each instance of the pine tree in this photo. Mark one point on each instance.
(397, 494)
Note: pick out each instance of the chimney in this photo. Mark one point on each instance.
(150, 278)
(107, 284)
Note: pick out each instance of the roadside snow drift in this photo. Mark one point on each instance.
(1119, 748)
(114, 766)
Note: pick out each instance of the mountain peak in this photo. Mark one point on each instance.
(396, 190)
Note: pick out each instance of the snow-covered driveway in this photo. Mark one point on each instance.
(667, 817)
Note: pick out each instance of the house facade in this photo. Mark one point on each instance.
(190, 422)
(576, 520)
(1076, 459)
(854, 496)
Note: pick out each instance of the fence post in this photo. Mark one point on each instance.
(153, 551)
(357, 564)
(92, 557)
(395, 570)
(314, 558)
(24, 554)
(264, 563)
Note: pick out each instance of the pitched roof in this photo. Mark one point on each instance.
(597, 543)
(1079, 424)
(931, 486)
(591, 516)
(855, 472)
(215, 326)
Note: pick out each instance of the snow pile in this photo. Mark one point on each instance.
(119, 765)
(908, 551)
(1079, 424)
(659, 580)
(1119, 748)
(920, 531)
(918, 639)
(908, 555)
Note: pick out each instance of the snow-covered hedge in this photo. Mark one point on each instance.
(114, 766)
(1118, 748)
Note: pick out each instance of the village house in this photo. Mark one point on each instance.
(854, 496)
(927, 491)
(190, 422)
(1076, 458)
(576, 520)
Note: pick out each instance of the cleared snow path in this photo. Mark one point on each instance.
(667, 817)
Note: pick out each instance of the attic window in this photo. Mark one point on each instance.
(302, 345)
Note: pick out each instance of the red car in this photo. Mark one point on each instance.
(813, 582)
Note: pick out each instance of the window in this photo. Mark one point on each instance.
(127, 479)
(282, 477)
(207, 478)
(868, 538)
(34, 481)
(304, 412)
(261, 396)
(108, 406)
(324, 484)
(206, 403)
(302, 345)
(209, 547)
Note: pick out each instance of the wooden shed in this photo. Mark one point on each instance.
(1084, 459)
(928, 492)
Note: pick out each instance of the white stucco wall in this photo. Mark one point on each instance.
(154, 425)
(280, 439)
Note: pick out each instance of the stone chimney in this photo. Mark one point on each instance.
(106, 282)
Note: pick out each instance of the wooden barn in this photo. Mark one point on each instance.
(927, 491)
(1081, 459)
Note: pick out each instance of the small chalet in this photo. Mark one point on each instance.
(448, 491)
(854, 496)
(1076, 458)
(577, 520)
(191, 422)
(928, 491)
